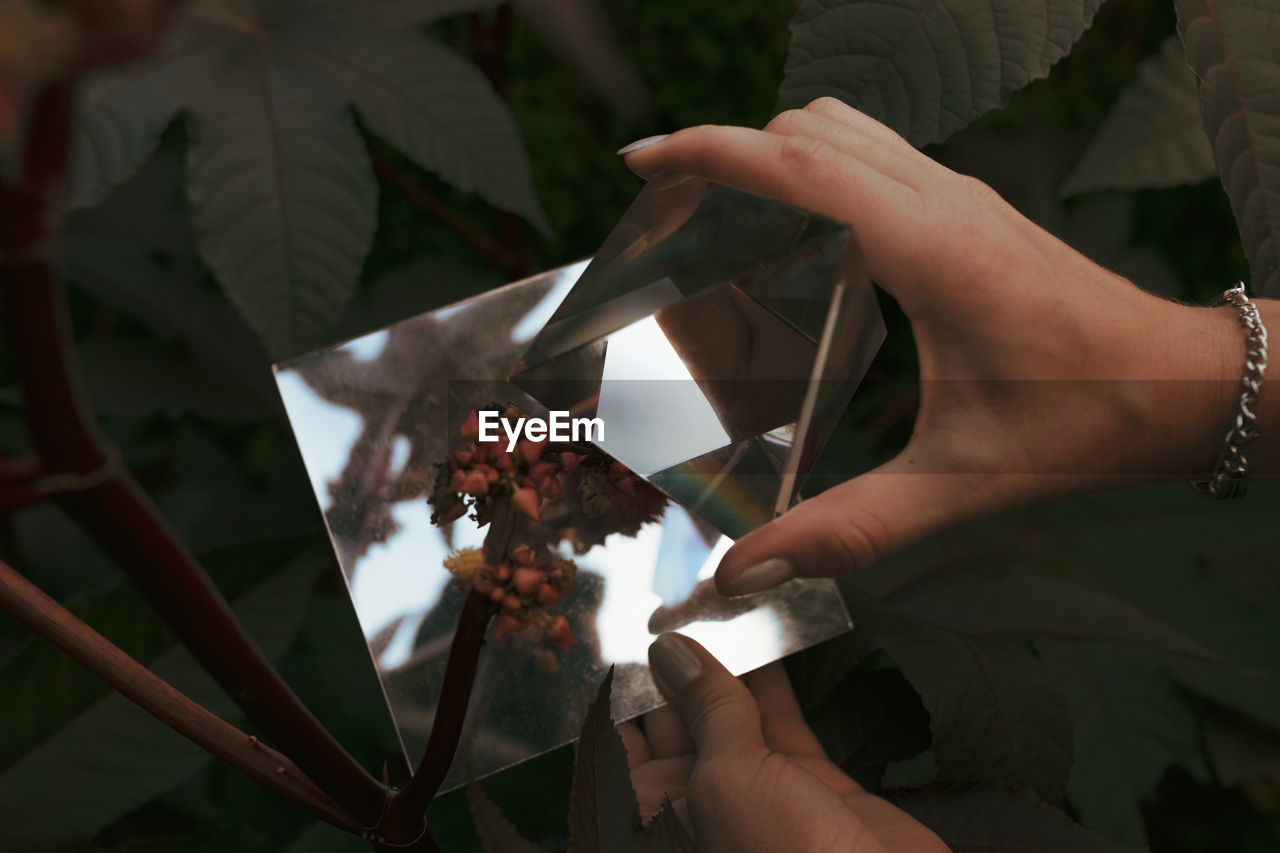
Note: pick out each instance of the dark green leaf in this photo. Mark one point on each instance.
(870, 720)
(1130, 725)
(77, 743)
(1153, 137)
(435, 107)
(987, 818)
(283, 196)
(603, 814)
(926, 67)
(993, 710)
(494, 830)
(1231, 45)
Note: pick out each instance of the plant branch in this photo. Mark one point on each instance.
(410, 804)
(207, 730)
(111, 506)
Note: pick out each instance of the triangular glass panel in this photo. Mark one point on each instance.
(719, 337)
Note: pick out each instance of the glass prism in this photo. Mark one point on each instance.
(375, 415)
(719, 338)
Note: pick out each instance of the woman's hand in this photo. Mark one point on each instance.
(738, 762)
(1041, 372)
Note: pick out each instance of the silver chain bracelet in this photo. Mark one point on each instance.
(1230, 476)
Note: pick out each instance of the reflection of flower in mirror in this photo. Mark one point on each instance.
(572, 491)
(520, 587)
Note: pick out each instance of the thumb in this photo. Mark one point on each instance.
(717, 708)
(846, 528)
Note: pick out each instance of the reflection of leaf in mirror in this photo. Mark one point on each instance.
(283, 196)
(923, 67)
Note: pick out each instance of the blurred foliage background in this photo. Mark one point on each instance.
(184, 387)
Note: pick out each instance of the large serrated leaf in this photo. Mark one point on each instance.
(1130, 725)
(495, 832)
(603, 814)
(283, 197)
(75, 743)
(985, 818)
(926, 68)
(435, 107)
(993, 710)
(1153, 137)
(1231, 45)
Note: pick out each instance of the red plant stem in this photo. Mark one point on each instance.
(111, 506)
(171, 707)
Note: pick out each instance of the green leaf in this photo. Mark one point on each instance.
(496, 833)
(282, 194)
(1130, 725)
(603, 814)
(1241, 749)
(122, 111)
(1231, 45)
(1153, 137)
(985, 818)
(435, 107)
(993, 710)
(75, 742)
(926, 68)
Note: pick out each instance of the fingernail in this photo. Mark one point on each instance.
(763, 575)
(673, 665)
(641, 143)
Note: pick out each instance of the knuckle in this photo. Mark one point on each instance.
(805, 154)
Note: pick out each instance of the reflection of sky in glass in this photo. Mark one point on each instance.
(326, 442)
(636, 413)
(368, 347)
(533, 322)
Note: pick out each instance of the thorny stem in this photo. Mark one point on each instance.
(207, 730)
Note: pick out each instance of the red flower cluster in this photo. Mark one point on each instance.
(520, 587)
(481, 472)
(576, 492)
